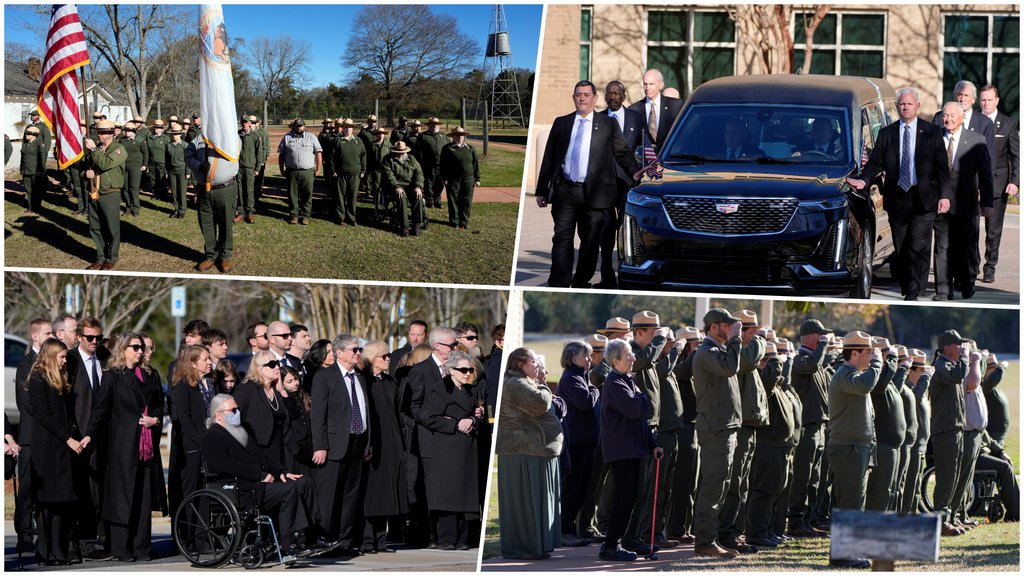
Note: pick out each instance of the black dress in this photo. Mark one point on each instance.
(265, 420)
(298, 440)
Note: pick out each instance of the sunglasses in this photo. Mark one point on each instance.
(137, 347)
(451, 346)
(355, 349)
(272, 364)
(386, 355)
(264, 335)
(474, 337)
(465, 370)
(92, 337)
(286, 335)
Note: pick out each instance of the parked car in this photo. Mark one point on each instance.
(14, 351)
(748, 203)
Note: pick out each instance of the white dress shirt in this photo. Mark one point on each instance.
(620, 117)
(584, 146)
(913, 149)
(647, 112)
(359, 394)
(956, 141)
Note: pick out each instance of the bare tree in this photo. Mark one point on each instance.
(765, 29)
(399, 46)
(811, 23)
(278, 62)
(18, 52)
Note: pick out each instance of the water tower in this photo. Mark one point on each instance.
(500, 86)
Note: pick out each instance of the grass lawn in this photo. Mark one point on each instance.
(271, 247)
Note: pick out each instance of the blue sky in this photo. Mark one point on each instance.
(323, 26)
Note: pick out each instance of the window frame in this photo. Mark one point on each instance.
(838, 47)
(589, 43)
(988, 50)
(688, 44)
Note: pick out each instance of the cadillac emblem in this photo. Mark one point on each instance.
(727, 208)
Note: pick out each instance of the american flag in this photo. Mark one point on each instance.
(57, 100)
(650, 158)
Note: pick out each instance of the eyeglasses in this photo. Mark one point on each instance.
(272, 364)
(470, 338)
(386, 355)
(451, 346)
(92, 337)
(286, 335)
(137, 347)
(264, 335)
(355, 349)
(465, 370)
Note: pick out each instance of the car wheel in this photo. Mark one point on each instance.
(864, 276)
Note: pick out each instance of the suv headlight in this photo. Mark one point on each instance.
(642, 200)
(827, 204)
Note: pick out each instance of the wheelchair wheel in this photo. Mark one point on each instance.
(250, 556)
(207, 528)
(928, 492)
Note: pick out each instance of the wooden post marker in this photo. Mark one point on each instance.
(885, 537)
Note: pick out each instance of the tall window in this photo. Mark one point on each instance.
(982, 48)
(846, 43)
(690, 47)
(586, 33)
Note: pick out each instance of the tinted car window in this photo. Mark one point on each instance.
(14, 351)
(802, 135)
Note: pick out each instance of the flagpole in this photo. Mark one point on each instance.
(85, 95)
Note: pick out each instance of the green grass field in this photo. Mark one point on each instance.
(271, 247)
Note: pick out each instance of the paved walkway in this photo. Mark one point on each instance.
(534, 261)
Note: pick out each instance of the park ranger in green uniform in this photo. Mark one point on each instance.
(404, 179)
(349, 161)
(96, 117)
(33, 168)
(300, 157)
(890, 427)
(141, 131)
(79, 185)
(248, 161)
(177, 171)
(715, 366)
(157, 143)
(263, 156)
(379, 150)
(460, 171)
(428, 150)
(196, 128)
(401, 131)
(106, 179)
(948, 419)
(216, 207)
(326, 137)
(367, 137)
(45, 135)
(138, 158)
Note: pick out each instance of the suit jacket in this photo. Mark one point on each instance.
(21, 397)
(85, 400)
(330, 414)
(979, 123)
(396, 358)
(422, 377)
(1006, 154)
(971, 174)
(224, 456)
(242, 368)
(670, 109)
(189, 414)
(632, 131)
(930, 166)
(607, 149)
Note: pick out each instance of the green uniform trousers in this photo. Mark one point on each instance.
(178, 186)
(460, 201)
(716, 456)
(130, 192)
(768, 471)
(373, 183)
(684, 483)
(948, 448)
(910, 497)
(216, 213)
(105, 225)
(882, 480)
(806, 470)
(779, 517)
(245, 203)
(258, 182)
(300, 192)
(730, 519)
(345, 191)
(965, 477)
(78, 184)
(432, 185)
(157, 178)
(35, 189)
(850, 469)
(407, 201)
(901, 476)
(821, 507)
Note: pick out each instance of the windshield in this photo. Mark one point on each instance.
(762, 133)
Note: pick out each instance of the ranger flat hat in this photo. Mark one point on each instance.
(175, 129)
(104, 126)
(138, 119)
(400, 147)
(118, 124)
(329, 120)
(950, 337)
(97, 115)
(597, 342)
(158, 123)
(837, 344)
(813, 326)
(380, 130)
(646, 319)
(782, 345)
(858, 341)
(458, 131)
(616, 324)
(131, 127)
(880, 342)
(173, 118)
(769, 334)
(297, 122)
(34, 112)
(770, 349)
(371, 118)
(32, 130)
(919, 357)
(345, 123)
(186, 122)
(901, 351)
(434, 120)
(719, 315)
(748, 318)
(416, 123)
(689, 333)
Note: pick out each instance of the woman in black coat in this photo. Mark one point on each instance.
(298, 438)
(387, 495)
(155, 391)
(451, 410)
(190, 395)
(320, 355)
(262, 408)
(55, 432)
(123, 411)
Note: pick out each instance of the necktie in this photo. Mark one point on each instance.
(652, 122)
(949, 152)
(906, 170)
(574, 156)
(95, 373)
(445, 371)
(357, 415)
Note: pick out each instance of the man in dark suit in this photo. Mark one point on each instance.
(823, 140)
(256, 337)
(916, 187)
(38, 331)
(631, 123)
(339, 424)
(416, 335)
(956, 233)
(736, 142)
(966, 93)
(577, 177)
(1006, 175)
(279, 335)
(658, 111)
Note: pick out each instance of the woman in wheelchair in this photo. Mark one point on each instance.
(263, 413)
(126, 412)
(190, 396)
(230, 452)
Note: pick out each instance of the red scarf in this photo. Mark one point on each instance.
(146, 438)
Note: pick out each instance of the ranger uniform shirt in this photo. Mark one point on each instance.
(175, 157)
(33, 157)
(887, 401)
(850, 403)
(716, 385)
(349, 156)
(671, 417)
(428, 148)
(108, 163)
(459, 163)
(998, 405)
(378, 152)
(646, 375)
(158, 148)
(781, 425)
(299, 151)
(909, 413)
(249, 155)
(924, 412)
(265, 145)
(684, 378)
(753, 399)
(947, 395)
(811, 379)
(138, 154)
(405, 173)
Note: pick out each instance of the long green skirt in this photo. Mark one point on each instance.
(529, 506)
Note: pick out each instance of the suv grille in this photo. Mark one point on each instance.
(728, 216)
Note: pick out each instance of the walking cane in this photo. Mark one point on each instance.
(654, 508)
(21, 562)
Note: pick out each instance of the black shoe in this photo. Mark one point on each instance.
(988, 278)
(99, 555)
(26, 547)
(910, 298)
(640, 548)
(462, 547)
(969, 292)
(593, 534)
(415, 231)
(739, 547)
(754, 541)
(939, 298)
(616, 555)
(425, 222)
(446, 547)
(321, 545)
